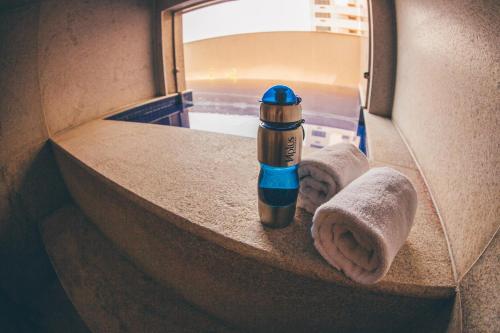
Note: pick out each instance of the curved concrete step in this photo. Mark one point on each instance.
(109, 292)
(182, 205)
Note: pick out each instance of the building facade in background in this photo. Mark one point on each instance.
(340, 16)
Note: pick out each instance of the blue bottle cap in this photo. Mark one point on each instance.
(280, 95)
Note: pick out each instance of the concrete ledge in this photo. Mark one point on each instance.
(384, 144)
(112, 295)
(109, 292)
(204, 183)
(181, 205)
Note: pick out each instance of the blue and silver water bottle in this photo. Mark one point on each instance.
(279, 150)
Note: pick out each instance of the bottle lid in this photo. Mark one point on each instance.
(280, 95)
(280, 105)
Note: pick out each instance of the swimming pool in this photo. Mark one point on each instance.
(234, 110)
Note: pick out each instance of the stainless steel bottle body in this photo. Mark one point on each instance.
(279, 152)
(279, 148)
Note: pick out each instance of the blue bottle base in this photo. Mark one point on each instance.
(278, 186)
(278, 197)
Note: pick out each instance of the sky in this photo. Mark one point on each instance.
(244, 16)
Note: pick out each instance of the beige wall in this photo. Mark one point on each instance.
(480, 292)
(24, 158)
(447, 107)
(93, 56)
(61, 63)
(301, 56)
(383, 57)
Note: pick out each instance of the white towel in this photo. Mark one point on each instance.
(361, 229)
(325, 172)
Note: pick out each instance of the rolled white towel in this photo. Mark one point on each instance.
(325, 172)
(361, 229)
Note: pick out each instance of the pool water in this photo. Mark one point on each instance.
(331, 113)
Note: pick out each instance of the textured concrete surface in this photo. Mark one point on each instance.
(35, 188)
(480, 292)
(384, 144)
(450, 320)
(30, 183)
(51, 78)
(204, 183)
(446, 105)
(93, 56)
(383, 46)
(109, 292)
(21, 119)
(245, 292)
(454, 319)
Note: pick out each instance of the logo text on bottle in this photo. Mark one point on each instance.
(290, 149)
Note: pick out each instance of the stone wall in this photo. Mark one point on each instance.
(93, 56)
(61, 63)
(446, 106)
